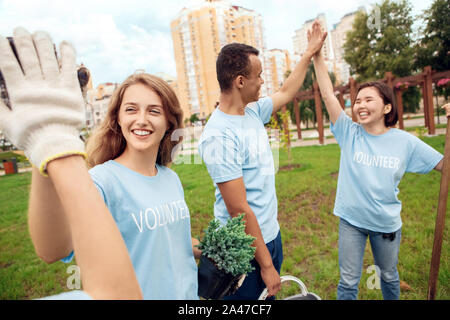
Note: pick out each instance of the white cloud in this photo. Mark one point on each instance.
(113, 38)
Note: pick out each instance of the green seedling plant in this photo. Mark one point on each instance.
(285, 141)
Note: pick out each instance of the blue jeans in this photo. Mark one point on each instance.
(352, 243)
(253, 285)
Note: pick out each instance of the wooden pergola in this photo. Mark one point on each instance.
(424, 80)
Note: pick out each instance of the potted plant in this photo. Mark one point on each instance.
(226, 255)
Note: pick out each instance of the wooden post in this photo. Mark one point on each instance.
(352, 84)
(318, 104)
(441, 211)
(398, 96)
(389, 79)
(428, 99)
(399, 99)
(424, 98)
(297, 119)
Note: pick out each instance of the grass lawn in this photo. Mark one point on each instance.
(309, 229)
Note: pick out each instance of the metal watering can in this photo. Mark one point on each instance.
(304, 295)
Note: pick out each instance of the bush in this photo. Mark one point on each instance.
(229, 247)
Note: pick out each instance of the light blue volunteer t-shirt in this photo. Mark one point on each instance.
(234, 146)
(154, 221)
(371, 167)
(70, 295)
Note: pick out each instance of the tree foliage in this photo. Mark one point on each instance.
(194, 118)
(382, 41)
(371, 49)
(433, 46)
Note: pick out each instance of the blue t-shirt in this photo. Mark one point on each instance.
(234, 146)
(154, 221)
(70, 295)
(371, 167)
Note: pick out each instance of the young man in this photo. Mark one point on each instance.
(235, 148)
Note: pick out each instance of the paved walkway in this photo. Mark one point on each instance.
(312, 137)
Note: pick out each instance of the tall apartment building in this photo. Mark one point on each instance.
(170, 80)
(97, 102)
(198, 34)
(338, 38)
(300, 39)
(279, 62)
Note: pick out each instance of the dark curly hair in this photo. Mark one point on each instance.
(233, 61)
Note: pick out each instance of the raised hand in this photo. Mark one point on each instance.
(47, 108)
(316, 38)
(447, 109)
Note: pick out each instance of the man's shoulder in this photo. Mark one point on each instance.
(218, 126)
(260, 103)
(215, 121)
(261, 109)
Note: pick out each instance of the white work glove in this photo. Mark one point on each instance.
(47, 107)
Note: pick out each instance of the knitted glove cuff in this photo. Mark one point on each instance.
(51, 142)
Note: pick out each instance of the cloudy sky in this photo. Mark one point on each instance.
(113, 38)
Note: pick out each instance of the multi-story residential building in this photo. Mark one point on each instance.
(279, 62)
(172, 81)
(300, 39)
(97, 101)
(198, 34)
(338, 38)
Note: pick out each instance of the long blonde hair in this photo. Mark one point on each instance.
(107, 141)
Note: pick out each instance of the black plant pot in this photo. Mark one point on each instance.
(214, 283)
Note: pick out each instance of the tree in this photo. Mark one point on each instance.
(194, 118)
(433, 46)
(382, 41)
(373, 49)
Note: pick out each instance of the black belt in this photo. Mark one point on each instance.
(390, 236)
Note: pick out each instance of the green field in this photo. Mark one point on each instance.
(308, 227)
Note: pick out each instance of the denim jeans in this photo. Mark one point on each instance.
(253, 285)
(352, 243)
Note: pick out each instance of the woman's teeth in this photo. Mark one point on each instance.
(141, 132)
